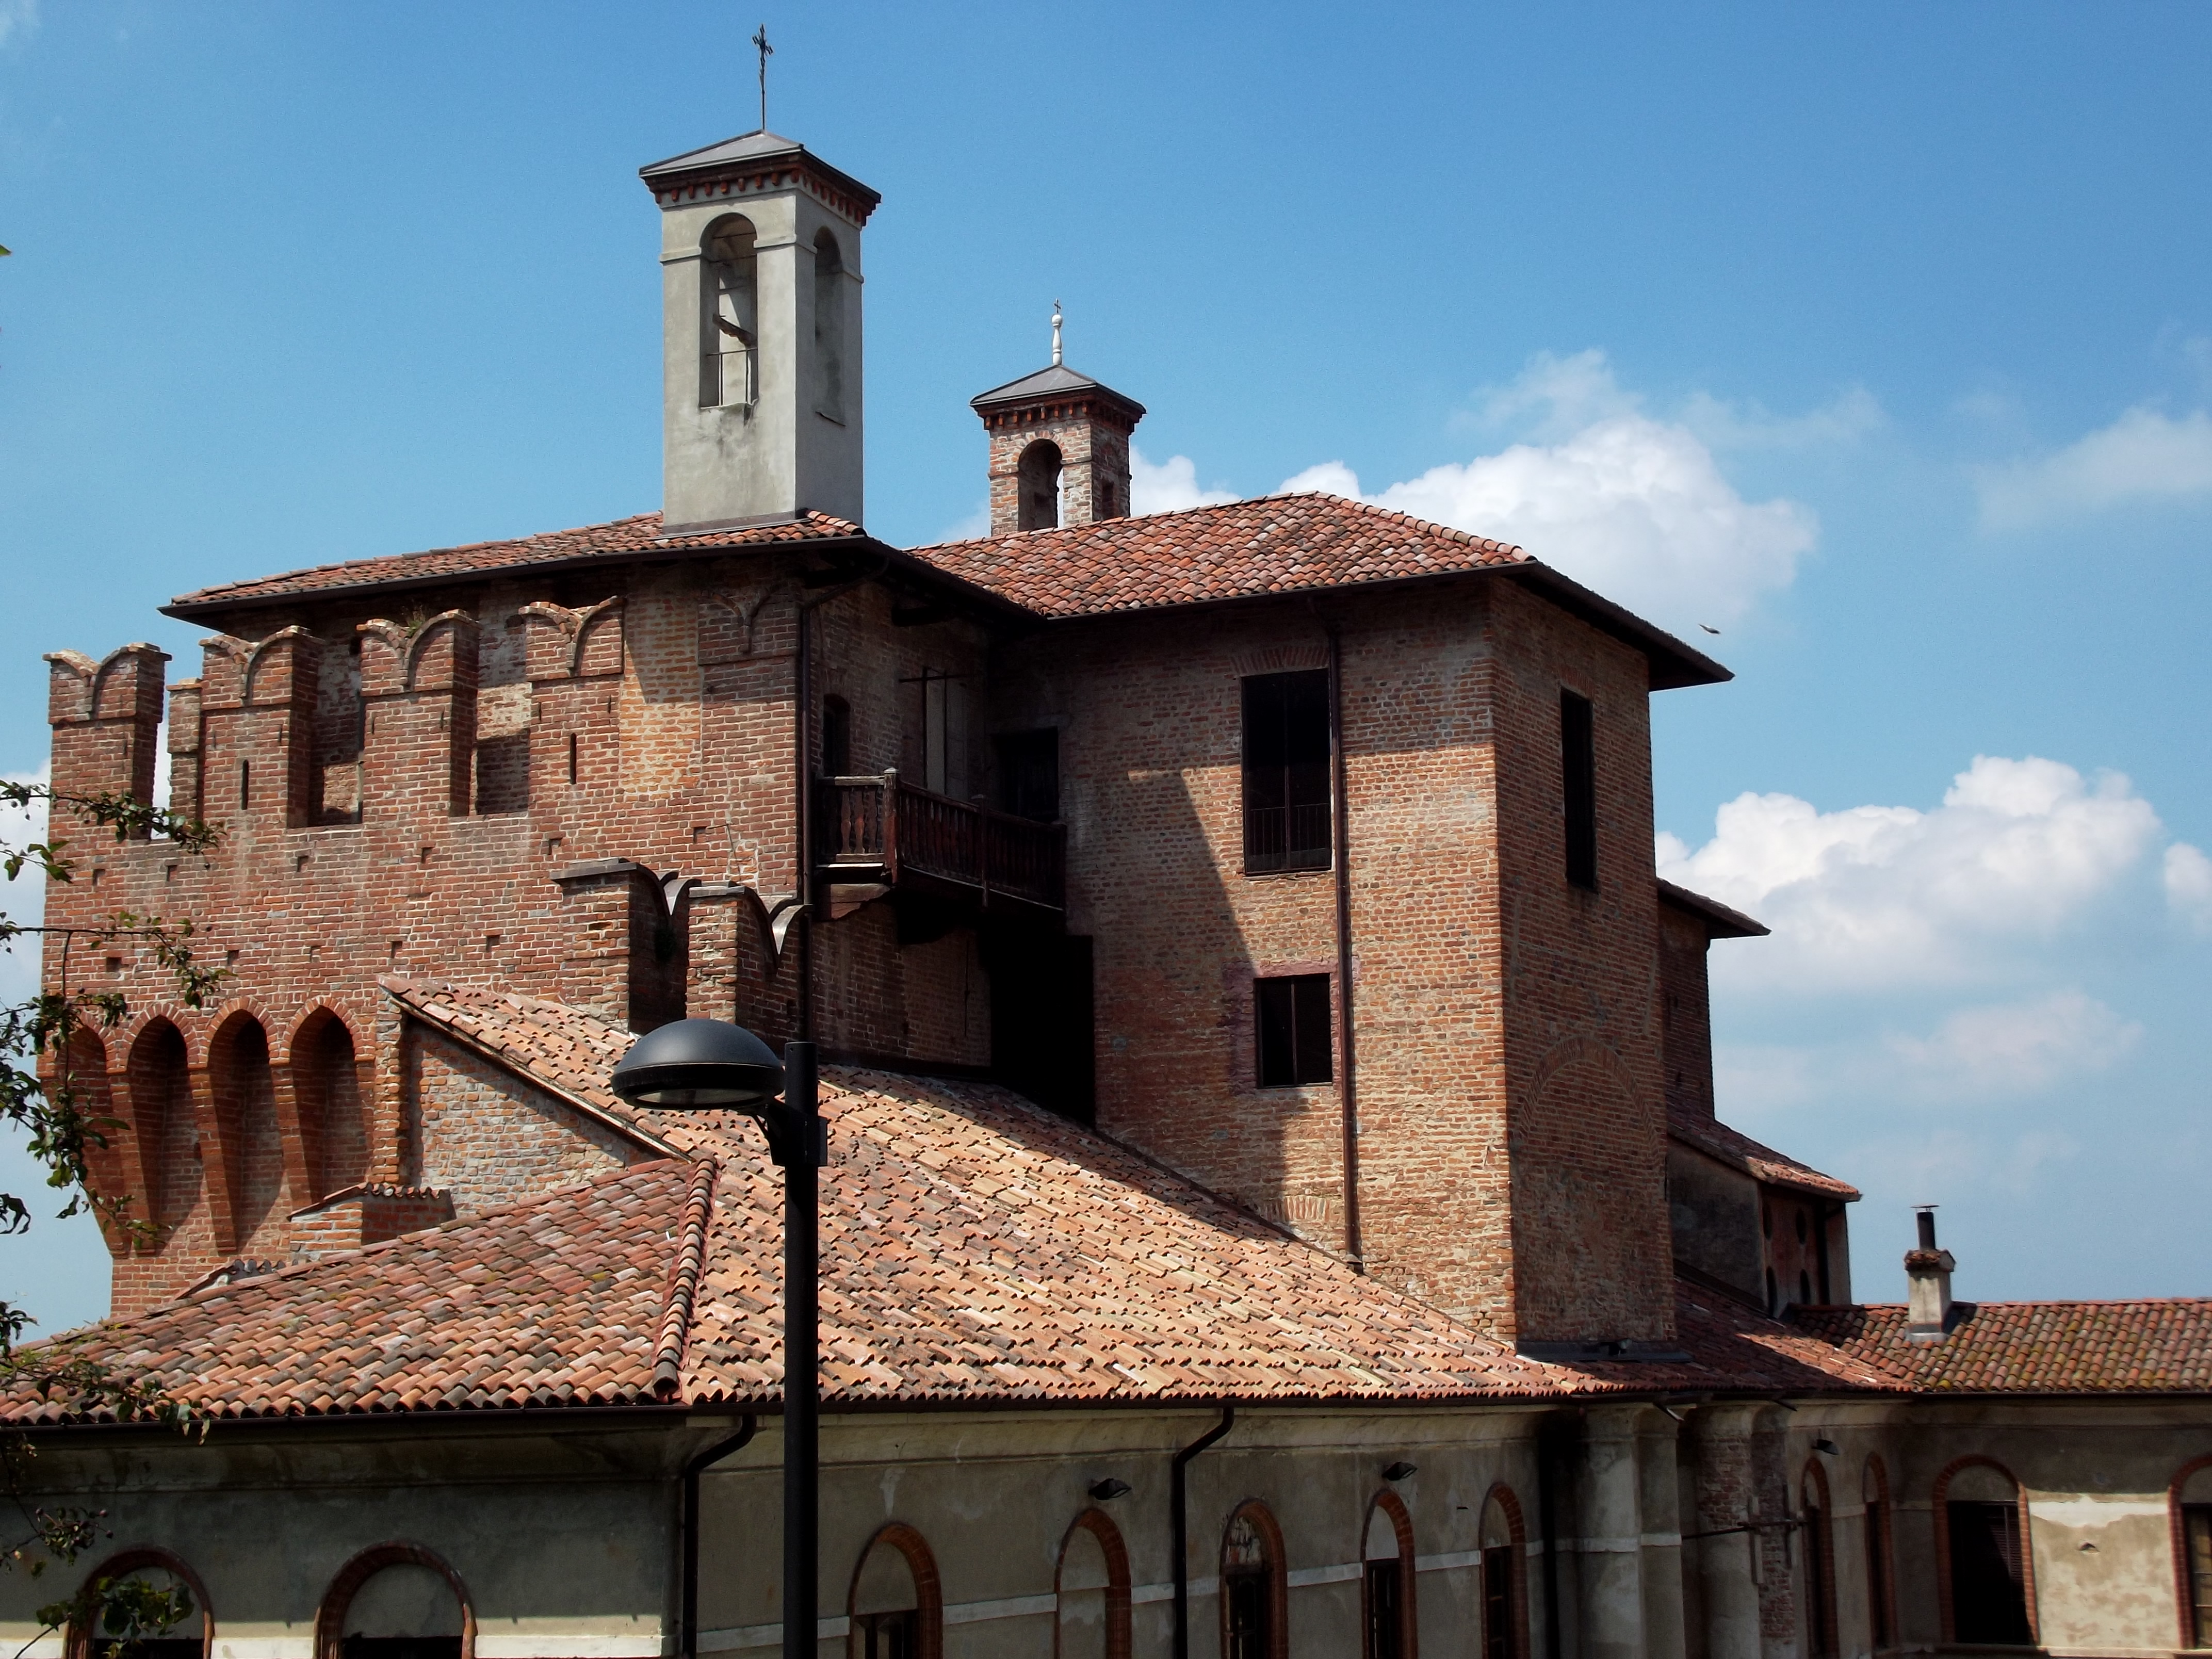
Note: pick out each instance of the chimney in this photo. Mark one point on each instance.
(1928, 1271)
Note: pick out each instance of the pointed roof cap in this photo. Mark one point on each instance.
(1058, 381)
(749, 154)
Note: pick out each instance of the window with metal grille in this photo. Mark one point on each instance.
(1286, 758)
(1578, 787)
(1293, 1030)
(1989, 1593)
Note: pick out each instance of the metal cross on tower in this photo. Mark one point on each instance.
(760, 41)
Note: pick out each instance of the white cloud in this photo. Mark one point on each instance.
(1724, 425)
(2143, 456)
(1871, 897)
(2014, 1048)
(2188, 876)
(1169, 487)
(1631, 506)
(19, 19)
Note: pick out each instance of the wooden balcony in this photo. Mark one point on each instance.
(884, 831)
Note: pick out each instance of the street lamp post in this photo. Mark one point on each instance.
(708, 1065)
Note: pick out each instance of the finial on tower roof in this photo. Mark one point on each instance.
(1056, 334)
(767, 51)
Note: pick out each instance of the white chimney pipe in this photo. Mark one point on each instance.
(1927, 1273)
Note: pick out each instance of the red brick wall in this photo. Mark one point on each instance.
(1686, 1011)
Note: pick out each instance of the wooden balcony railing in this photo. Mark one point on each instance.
(883, 829)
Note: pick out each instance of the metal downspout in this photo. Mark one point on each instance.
(688, 1547)
(1178, 1489)
(1347, 1087)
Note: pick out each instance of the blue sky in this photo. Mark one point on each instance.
(1878, 339)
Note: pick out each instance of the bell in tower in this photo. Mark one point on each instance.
(761, 333)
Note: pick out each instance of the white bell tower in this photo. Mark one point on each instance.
(759, 262)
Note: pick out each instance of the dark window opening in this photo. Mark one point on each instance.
(1293, 1036)
(1246, 1590)
(1383, 1617)
(1818, 1590)
(1029, 773)
(1037, 483)
(1286, 756)
(1877, 1555)
(2197, 1548)
(1804, 1287)
(572, 758)
(1989, 1594)
(1042, 1018)
(156, 1647)
(1579, 787)
(1773, 1293)
(245, 784)
(889, 1635)
(837, 737)
(1498, 1603)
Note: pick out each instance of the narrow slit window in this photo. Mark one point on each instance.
(1293, 1037)
(1287, 758)
(245, 784)
(1579, 787)
(572, 758)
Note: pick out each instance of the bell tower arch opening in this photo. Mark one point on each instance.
(729, 326)
(1040, 469)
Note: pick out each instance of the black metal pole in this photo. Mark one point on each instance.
(802, 1397)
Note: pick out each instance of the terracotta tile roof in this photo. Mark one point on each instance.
(1276, 545)
(2151, 1346)
(1739, 1152)
(973, 1247)
(623, 536)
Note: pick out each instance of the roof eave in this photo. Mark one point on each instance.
(1721, 922)
(1673, 664)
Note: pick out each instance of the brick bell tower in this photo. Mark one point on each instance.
(1059, 448)
(759, 260)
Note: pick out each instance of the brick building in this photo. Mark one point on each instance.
(1234, 940)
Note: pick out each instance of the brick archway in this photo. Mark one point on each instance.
(1517, 1532)
(1401, 1528)
(78, 1639)
(928, 1588)
(338, 1600)
(2184, 1591)
(1263, 1523)
(1938, 1499)
(1100, 1525)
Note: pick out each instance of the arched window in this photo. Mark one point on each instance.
(896, 1608)
(396, 1601)
(1504, 1590)
(829, 325)
(1881, 1608)
(1387, 1564)
(2192, 1503)
(1819, 1564)
(729, 315)
(87, 1085)
(166, 1134)
(1253, 1594)
(1037, 479)
(326, 1086)
(192, 1637)
(1984, 1571)
(246, 1113)
(1091, 1587)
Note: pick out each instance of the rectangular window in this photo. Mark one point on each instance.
(837, 737)
(1497, 1641)
(888, 1635)
(2196, 1544)
(1382, 1616)
(1029, 773)
(1293, 1035)
(1877, 1559)
(1579, 787)
(1286, 771)
(1989, 1595)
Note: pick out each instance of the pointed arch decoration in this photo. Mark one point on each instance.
(1388, 1504)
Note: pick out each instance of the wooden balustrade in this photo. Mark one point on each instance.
(883, 829)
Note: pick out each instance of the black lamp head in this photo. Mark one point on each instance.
(1400, 1470)
(1109, 1489)
(699, 1064)
(1827, 1449)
